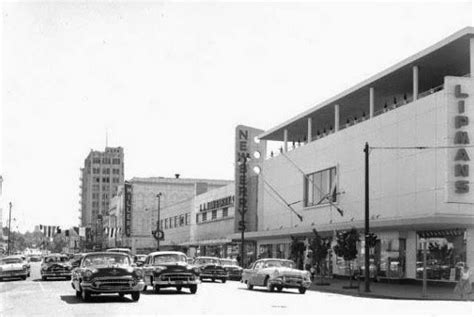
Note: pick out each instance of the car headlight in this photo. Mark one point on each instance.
(158, 269)
(275, 274)
(139, 273)
(87, 274)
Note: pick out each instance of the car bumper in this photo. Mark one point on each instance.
(56, 274)
(12, 274)
(213, 275)
(289, 284)
(175, 283)
(117, 289)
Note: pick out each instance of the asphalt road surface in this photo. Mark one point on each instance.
(37, 297)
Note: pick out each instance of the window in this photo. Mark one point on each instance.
(116, 161)
(105, 187)
(95, 195)
(96, 160)
(175, 221)
(204, 216)
(96, 170)
(197, 218)
(106, 171)
(95, 187)
(115, 180)
(181, 220)
(166, 223)
(106, 160)
(214, 215)
(97, 179)
(116, 171)
(105, 179)
(188, 217)
(320, 187)
(225, 212)
(161, 224)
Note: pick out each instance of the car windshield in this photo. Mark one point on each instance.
(207, 261)
(10, 261)
(229, 262)
(105, 259)
(125, 251)
(280, 263)
(53, 259)
(168, 258)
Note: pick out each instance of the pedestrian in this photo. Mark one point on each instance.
(463, 287)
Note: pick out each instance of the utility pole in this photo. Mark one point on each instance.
(9, 229)
(158, 229)
(367, 214)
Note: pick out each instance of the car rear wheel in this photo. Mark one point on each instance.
(43, 278)
(178, 288)
(213, 279)
(270, 287)
(121, 295)
(24, 277)
(224, 280)
(302, 290)
(157, 289)
(86, 295)
(249, 286)
(144, 288)
(193, 289)
(135, 296)
(78, 294)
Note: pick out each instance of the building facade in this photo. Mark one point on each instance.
(417, 120)
(135, 210)
(101, 175)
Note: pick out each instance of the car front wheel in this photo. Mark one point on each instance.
(249, 286)
(86, 295)
(193, 289)
(223, 280)
(157, 289)
(178, 288)
(302, 290)
(135, 296)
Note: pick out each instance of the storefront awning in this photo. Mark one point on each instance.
(207, 242)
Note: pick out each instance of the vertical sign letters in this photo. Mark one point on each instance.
(461, 166)
(128, 209)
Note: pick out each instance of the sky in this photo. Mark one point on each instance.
(171, 81)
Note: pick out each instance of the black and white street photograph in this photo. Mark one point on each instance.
(236, 157)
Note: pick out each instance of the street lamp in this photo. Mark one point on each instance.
(158, 229)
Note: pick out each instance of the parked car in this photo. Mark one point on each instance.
(107, 272)
(232, 268)
(276, 274)
(211, 268)
(56, 265)
(13, 266)
(170, 269)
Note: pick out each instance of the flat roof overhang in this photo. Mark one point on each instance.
(436, 222)
(451, 56)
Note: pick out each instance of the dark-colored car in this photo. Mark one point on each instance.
(232, 268)
(139, 259)
(170, 269)
(211, 268)
(76, 260)
(107, 272)
(56, 265)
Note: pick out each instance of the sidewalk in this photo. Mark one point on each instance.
(386, 290)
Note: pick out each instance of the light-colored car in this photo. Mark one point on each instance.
(13, 266)
(276, 274)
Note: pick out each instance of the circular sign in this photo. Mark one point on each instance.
(159, 234)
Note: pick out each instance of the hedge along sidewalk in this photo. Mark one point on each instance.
(387, 290)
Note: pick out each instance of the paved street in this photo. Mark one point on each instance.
(36, 297)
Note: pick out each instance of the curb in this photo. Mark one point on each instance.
(380, 296)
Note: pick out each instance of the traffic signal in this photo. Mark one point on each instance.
(371, 239)
(242, 225)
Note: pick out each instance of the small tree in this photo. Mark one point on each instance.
(297, 252)
(320, 248)
(346, 248)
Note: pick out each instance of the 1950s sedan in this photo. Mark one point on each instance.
(107, 272)
(211, 268)
(13, 266)
(232, 268)
(170, 269)
(56, 265)
(276, 274)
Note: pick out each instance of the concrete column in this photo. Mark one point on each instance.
(415, 83)
(371, 102)
(336, 118)
(410, 255)
(471, 53)
(310, 128)
(285, 140)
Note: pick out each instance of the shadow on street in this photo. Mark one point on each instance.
(105, 299)
(169, 291)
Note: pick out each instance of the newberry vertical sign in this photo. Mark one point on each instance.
(127, 209)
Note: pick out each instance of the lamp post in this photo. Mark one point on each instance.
(367, 213)
(158, 220)
(9, 229)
